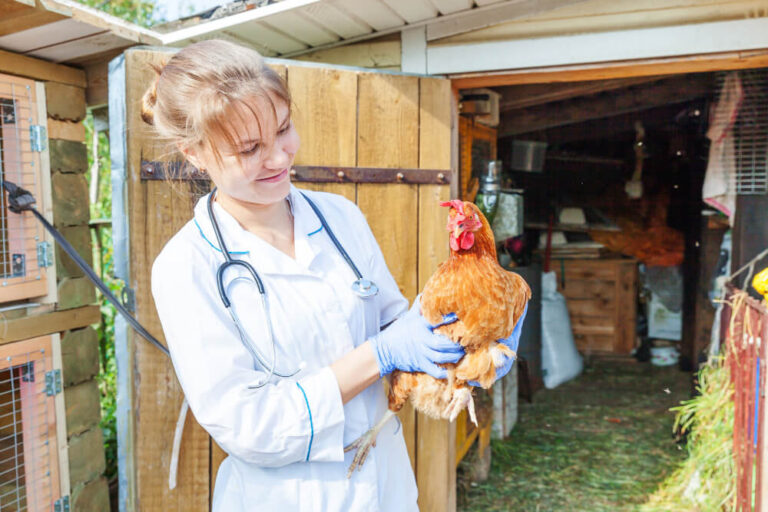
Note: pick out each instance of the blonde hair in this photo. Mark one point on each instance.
(199, 90)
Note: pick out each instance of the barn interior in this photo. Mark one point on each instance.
(601, 182)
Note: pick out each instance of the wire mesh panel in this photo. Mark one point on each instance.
(23, 251)
(747, 154)
(29, 479)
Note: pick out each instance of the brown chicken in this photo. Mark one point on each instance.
(487, 300)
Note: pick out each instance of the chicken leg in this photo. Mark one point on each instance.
(364, 443)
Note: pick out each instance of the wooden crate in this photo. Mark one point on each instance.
(601, 298)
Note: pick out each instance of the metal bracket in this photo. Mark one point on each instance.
(61, 505)
(44, 254)
(38, 137)
(28, 372)
(128, 298)
(53, 382)
(18, 266)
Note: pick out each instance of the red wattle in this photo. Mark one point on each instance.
(467, 240)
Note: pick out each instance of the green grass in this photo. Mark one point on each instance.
(602, 442)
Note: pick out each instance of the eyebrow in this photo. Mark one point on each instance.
(246, 143)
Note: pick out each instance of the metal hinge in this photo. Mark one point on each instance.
(38, 137)
(61, 505)
(129, 299)
(44, 254)
(53, 382)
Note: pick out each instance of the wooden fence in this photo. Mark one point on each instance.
(745, 332)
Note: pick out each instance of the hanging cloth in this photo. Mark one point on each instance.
(719, 190)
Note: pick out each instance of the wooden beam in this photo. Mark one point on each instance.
(723, 61)
(21, 65)
(485, 16)
(674, 90)
(523, 96)
(19, 17)
(413, 50)
(48, 323)
(610, 127)
(645, 43)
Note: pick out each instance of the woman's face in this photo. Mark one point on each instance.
(256, 169)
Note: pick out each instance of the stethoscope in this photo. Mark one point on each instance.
(362, 287)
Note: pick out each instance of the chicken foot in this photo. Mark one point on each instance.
(364, 443)
(462, 397)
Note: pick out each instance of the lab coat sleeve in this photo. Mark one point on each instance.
(282, 423)
(392, 303)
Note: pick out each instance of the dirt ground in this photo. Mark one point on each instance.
(602, 442)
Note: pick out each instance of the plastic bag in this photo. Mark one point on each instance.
(560, 362)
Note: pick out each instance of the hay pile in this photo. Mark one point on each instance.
(706, 480)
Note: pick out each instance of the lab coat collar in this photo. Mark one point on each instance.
(263, 256)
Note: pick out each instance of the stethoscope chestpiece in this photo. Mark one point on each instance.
(364, 288)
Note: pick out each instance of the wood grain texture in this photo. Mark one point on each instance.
(37, 69)
(436, 439)
(388, 121)
(66, 130)
(157, 394)
(325, 115)
(48, 323)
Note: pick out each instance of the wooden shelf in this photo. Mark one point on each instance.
(576, 228)
(48, 323)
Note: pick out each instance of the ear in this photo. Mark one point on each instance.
(191, 155)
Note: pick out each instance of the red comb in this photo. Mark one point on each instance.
(456, 204)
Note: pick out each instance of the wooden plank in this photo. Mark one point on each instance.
(675, 90)
(589, 343)
(48, 323)
(530, 95)
(152, 222)
(66, 130)
(325, 115)
(21, 65)
(434, 123)
(25, 19)
(388, 121)
(578, 289)
(589, 307)
(585, 270)
(722, 61)
(626, 306)
(436, 439)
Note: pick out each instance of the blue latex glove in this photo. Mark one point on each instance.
(408, 344)
(512, 342)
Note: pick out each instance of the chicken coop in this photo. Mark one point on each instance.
(51, 445)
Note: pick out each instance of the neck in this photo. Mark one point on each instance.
(255, 217)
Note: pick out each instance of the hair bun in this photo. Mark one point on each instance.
(148, 102)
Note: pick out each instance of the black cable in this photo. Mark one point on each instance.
(20, 200)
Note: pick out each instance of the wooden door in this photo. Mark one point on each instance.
(383, 140)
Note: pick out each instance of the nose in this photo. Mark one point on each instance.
(279, 156)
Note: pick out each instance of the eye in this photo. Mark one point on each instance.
(284, 130)
(252, 150)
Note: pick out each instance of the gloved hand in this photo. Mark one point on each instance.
(512, 342)
(408, 344)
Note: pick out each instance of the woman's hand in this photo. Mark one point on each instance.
(512, 342)
(408, 344)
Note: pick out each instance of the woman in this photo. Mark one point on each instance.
(229, 114)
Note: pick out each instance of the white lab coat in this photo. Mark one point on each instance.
(285, 440)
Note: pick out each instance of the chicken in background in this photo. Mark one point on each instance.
(473, 301)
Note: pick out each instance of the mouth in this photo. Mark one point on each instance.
(277, 177)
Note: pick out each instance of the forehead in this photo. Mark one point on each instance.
(255, 119)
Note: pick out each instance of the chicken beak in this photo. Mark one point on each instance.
(459, 229)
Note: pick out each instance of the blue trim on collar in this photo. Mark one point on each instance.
(209, 242)
(311, 426)
(315, 231)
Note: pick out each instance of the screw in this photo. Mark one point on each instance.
(440, 176)
(340, 174)
(400, 176)
(293, 172)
